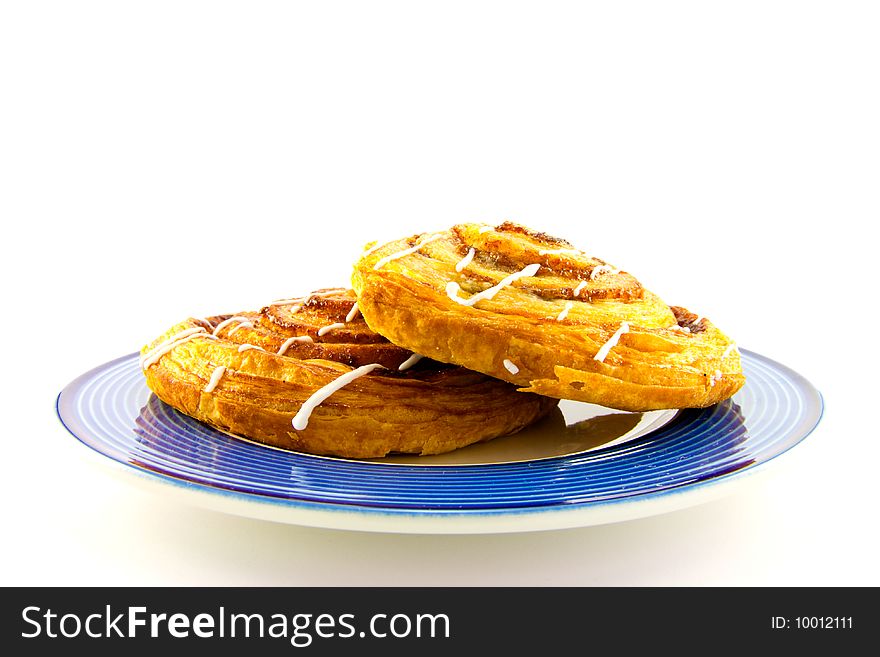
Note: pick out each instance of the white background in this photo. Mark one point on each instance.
(166, 159)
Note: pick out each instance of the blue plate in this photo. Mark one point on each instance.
(693, 458)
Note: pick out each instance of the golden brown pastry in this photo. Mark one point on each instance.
(535, 311)
(307, 374)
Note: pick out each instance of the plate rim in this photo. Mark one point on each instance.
(353, 516)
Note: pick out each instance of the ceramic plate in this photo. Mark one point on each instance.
(582, 465)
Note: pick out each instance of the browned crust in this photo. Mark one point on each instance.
(542, 238)
(655, 365)
(429, 409)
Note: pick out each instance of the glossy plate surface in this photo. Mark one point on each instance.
(583, 465)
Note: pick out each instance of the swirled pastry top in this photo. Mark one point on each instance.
(534, 310)
(308, 374)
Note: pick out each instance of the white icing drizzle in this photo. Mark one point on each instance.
(564, 313)
(409, 362)
(400, 254)
(330, 327)
(375, 247)
(559, 251)
(354, 312)
(484, 229)
(464, 262)
(168, 341)
(612, 341)
(215, 378)
(227, 322)
(246, 347)
(602, 269)
(510, 367)
(580, 286)
(452, 287)
(729, 349)
(244, 324)
(680, 329)
(153, 356)
(715, 377)
(296, 303)
(301, 419)
(201, 320)
(299, 338)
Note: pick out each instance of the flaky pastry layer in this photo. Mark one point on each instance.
(535, 311)
(227, 371)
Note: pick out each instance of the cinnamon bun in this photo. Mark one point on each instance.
(307, 374)
(535, 311)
